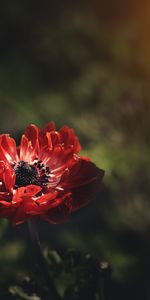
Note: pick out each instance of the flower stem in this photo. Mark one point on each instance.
(105, 286)
(40, 261)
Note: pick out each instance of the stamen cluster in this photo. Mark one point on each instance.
(27, 174)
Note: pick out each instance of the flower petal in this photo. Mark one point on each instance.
(60, 213)
(48, 199)
(2, 168)
(48, 128)
(9, 178)
(81, 173)
(45, 135)
(8, 150)
(84, 180)
(26, 210)
(59, 158)
(29, 147)
(68, 138)
(25, 193)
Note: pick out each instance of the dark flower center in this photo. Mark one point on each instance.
(27, 174)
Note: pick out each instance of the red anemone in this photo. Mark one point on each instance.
(44, 176)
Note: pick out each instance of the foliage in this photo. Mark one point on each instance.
(77, 275)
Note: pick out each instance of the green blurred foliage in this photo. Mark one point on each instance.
(86, 65)
(73, 272)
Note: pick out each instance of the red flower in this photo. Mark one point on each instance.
(44, 177)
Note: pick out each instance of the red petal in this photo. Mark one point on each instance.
(51, 200)
(33, 207)
(8, 150)
(2, 168)
(64, 138)
(49, 140)
(48, 128)
(81, 173)
(84, 180)
(68, 138)
(9, 178)
(45, 136)
(29, 146)
(27, 210)
(48, 199)
(32, 190)
(60, 213)
(27, 207)
(59, 158)
(25, 193)
(5, 203)
(31, 133)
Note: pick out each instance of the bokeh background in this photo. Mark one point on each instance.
(85, 64)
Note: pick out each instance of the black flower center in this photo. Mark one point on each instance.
(27, 174)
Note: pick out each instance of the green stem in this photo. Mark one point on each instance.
(105, 281)
(40, 261)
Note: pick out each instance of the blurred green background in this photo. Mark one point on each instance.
(87, 65)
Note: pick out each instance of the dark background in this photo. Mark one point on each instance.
(87, 65)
